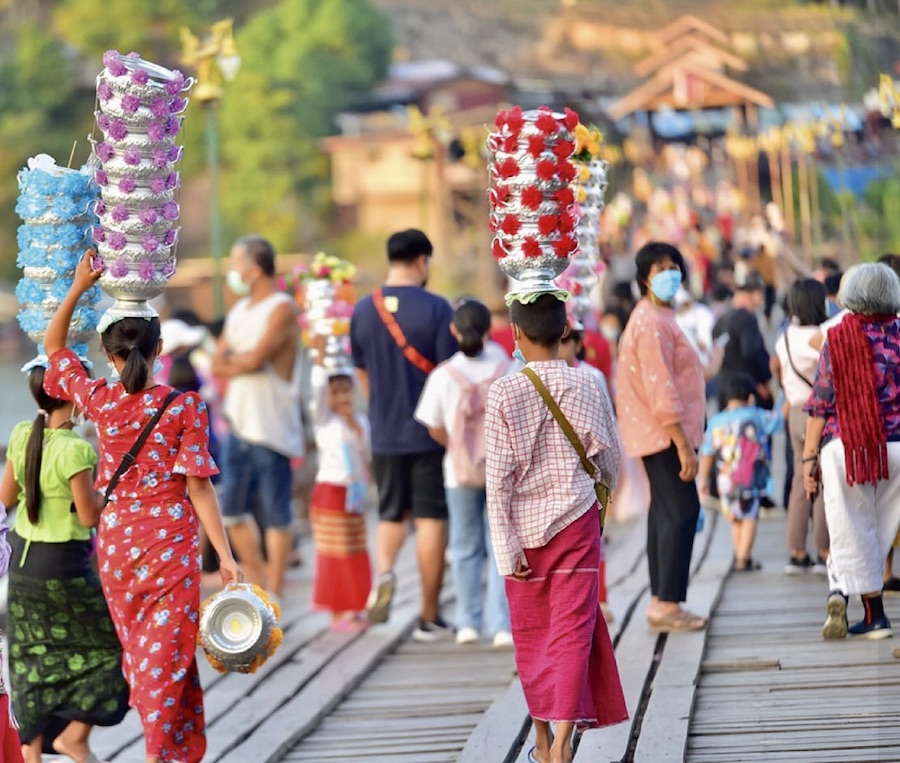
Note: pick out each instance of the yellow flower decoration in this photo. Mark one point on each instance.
(588, 140)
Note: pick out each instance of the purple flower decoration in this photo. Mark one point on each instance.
(159, 108)
(132, 156)
(99, 234)
(173, 180)
(113, 64)
(117, 129)
(104, 91)
(105, 152)
(175, 85)
(150, 243)
(119, 269)
(171, 237)
(133, 54)
(159, 157)
(116, 240)
(127, 184)
(100, 177)
(158, 185)
(146, 270)
(130, 103)
(170, 210)
(156, 131)
(173, 126)
(100, 207)
(139, 77)
(148, 216)
(168, 269)
(175, 153)
(103, 122)
(177, 105)
(120, 213)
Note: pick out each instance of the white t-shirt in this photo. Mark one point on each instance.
(805, 357)
(440, 397)
(697, 324)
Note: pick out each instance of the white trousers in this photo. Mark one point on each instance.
(862, 521)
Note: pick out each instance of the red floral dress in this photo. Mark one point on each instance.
(148, 547)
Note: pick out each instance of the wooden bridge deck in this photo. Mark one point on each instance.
(759, 685)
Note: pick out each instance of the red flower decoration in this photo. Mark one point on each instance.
(512, 118)
(546, 123)
(545, 169)
(508, 168)
(571, 119)
(510, 144)
(532, 197)
(497, 249)
(564, 246)
(564, 149)
(546, 109)
(531, 247)
(536, 145)
(500, 194)
(565, 197)
(492, 223)
(566, 170)
(566, 222)
(547, 224)
(510, 225)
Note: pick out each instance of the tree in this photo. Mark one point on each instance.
(303, 61)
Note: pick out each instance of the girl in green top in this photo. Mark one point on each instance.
(65, 659)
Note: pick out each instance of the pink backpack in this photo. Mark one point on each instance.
(466, 437)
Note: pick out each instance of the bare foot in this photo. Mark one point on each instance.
(77, 751)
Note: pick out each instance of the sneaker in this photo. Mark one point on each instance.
(436, 630)
(378, 605)
(821, 567)
(891, 587)
(877, 629)
(798, 566)
(467, 635)
(835, 627)
(503, 640)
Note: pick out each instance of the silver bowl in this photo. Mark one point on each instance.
(235, 626)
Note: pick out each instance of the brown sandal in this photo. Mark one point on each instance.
(677, 620)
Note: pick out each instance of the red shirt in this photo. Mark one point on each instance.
(596, 351)
(504, 337)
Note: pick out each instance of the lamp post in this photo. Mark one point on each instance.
(215, 59)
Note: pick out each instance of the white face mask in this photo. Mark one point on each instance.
(77, 417)
(237, 284)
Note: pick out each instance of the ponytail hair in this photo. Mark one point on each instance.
(34, 450)
(472, 320)
(134, 340)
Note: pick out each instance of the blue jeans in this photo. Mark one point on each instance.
(254, 474)
(470, 548)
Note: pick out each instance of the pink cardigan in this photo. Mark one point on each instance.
(659, 382)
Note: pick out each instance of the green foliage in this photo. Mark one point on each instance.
(303, 61)
(879, 218)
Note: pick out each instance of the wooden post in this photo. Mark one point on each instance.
(775, 181)
(787, 181)
(816, 209)
(803, 192)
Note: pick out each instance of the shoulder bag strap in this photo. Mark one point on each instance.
(602, 490)
(129, 458)
(787, 346)
(415, 357)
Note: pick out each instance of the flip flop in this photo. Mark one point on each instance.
(679, 620)
(531, 758)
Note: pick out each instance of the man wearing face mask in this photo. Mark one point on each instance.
(745, 347)
(398, 335)
(257, 354)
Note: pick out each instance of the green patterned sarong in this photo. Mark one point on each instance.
(65, 660)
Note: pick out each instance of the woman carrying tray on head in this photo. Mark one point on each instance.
(148, 545)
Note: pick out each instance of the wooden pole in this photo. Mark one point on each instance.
(803, 192)
(775, 181)
(787, 181)
(816, 209)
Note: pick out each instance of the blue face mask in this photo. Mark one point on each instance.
(157, 367)
(517, 355)
(665, 285)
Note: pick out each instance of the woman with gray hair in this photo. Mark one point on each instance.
(853, 445)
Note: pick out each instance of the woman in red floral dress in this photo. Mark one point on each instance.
(148, 546)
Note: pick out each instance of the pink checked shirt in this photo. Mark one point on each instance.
(659, 382)
(536, 485)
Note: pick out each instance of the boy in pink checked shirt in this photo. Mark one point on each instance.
(545, 532)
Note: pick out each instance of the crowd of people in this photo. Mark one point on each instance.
(496, 435)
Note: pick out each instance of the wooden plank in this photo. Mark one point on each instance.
(501, 729)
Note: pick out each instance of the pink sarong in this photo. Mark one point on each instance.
(564, 655)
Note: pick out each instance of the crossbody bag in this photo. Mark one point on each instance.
(129, 458)
(601, 489)
(415, 357)
(787, 347)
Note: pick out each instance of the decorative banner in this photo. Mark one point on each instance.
(55, 207)
(533, 211)
(140, 104)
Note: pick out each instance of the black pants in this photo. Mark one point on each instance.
(671, 525)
